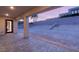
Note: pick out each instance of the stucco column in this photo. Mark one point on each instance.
(15, 26)
(26, 32)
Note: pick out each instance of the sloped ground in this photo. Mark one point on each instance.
(46, 43)
(66, 34)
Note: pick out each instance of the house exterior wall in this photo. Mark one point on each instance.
(2, 26)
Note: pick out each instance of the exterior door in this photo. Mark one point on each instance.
(9, 26)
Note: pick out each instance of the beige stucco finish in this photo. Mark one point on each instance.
(2, 25)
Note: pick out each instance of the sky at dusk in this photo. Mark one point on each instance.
(53, 13)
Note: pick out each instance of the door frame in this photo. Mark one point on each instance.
(6, 25)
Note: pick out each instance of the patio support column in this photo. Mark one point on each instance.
(15, 26)
(26, 32)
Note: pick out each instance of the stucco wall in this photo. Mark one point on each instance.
(15, 26)
(2, 25)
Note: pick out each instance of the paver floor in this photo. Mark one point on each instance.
(35, 43)
(13, 43)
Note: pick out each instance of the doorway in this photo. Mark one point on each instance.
(9, 26)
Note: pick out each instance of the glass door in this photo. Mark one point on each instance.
(9, 26)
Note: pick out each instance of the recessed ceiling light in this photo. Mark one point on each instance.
(12, 8)
(6, 14)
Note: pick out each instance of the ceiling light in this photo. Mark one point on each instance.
(6, 14)
(12, 8)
